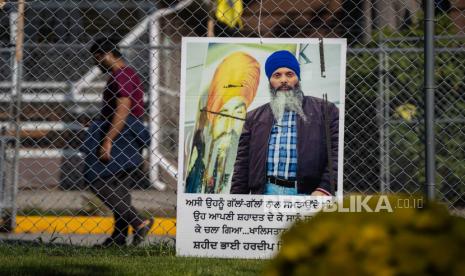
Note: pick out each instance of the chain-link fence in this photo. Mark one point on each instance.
(49, 98)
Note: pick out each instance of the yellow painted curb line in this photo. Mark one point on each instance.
(83, 225)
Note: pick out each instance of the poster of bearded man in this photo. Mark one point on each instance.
(226, 80)
(261, 140)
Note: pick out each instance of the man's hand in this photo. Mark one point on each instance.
(318, 193)
(105, 151)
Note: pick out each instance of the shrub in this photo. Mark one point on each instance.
(408, 241)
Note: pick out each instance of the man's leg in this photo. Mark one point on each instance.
(129, 213)
(141, 227)
(121, 229)
(124, 205)
(115, 194)
(107, 190)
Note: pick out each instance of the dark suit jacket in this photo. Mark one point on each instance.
(312, 170)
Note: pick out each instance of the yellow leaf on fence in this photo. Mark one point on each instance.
(406, 111)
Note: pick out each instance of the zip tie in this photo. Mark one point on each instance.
(322, 59)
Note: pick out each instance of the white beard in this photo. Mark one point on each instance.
(290, 100)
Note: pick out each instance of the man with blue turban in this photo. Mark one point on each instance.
(283, 146)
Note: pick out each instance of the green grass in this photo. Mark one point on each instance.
(42, 259)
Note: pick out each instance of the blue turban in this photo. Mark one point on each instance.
(281, 59)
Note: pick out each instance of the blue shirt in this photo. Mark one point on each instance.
(282, 148)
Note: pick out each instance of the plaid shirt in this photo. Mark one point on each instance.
(282, 148)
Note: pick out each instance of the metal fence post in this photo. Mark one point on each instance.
(381, 118)
(18, 36)
(429, 99)
(3, 203)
